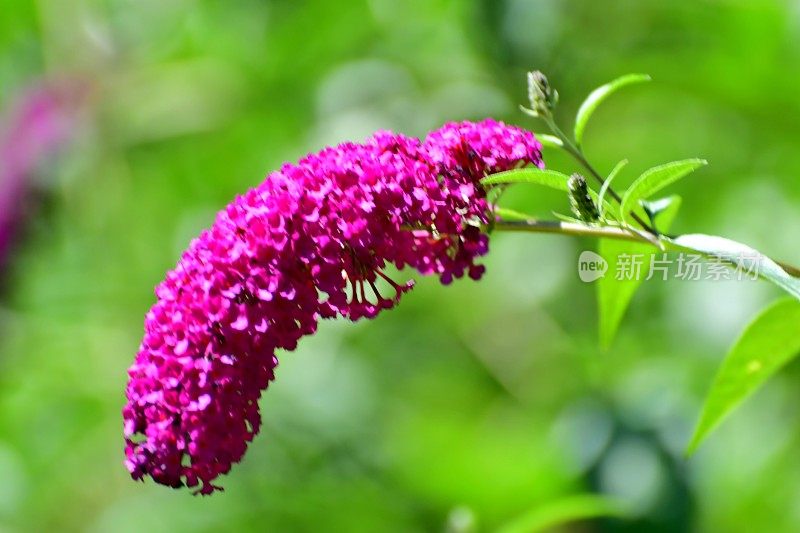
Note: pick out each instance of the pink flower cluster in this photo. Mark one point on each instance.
(313, 241)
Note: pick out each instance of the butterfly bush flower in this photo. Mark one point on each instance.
(314, 240)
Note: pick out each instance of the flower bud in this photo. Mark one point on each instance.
(581, 202)
(542, 96)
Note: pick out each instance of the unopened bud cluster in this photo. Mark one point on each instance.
(542, 96)
(581, 202)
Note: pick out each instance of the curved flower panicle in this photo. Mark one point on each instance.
(312, 241)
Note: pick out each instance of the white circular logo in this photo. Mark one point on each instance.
(591, 266)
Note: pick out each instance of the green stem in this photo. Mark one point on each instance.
(569, 228)
(603, 232)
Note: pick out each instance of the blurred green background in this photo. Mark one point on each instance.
(469, 405)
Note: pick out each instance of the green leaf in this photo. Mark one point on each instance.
(549, 141)
(510, 214)
(538, 176)
(656, 207)
(596, 98)
(567, 218)
(607, 184)
(738, 255)
(548, 178)
(766, 345)
(564, 511)
(655, 179)
(614, 295)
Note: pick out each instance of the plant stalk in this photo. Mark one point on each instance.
(568, 228)
(603, 232)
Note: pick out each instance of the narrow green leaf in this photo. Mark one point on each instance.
(766, 345)
(510, 214)
(597, 96)
(740, 256)
(614, 295)
(567, 218)
(564, 511)
(656, 207)
(538, 176)
(607, 184)
(548, 178)
(655, 179)
(549, 141)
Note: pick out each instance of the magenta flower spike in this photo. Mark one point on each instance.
(314, 240)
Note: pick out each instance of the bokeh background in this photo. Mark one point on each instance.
(125, 125)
